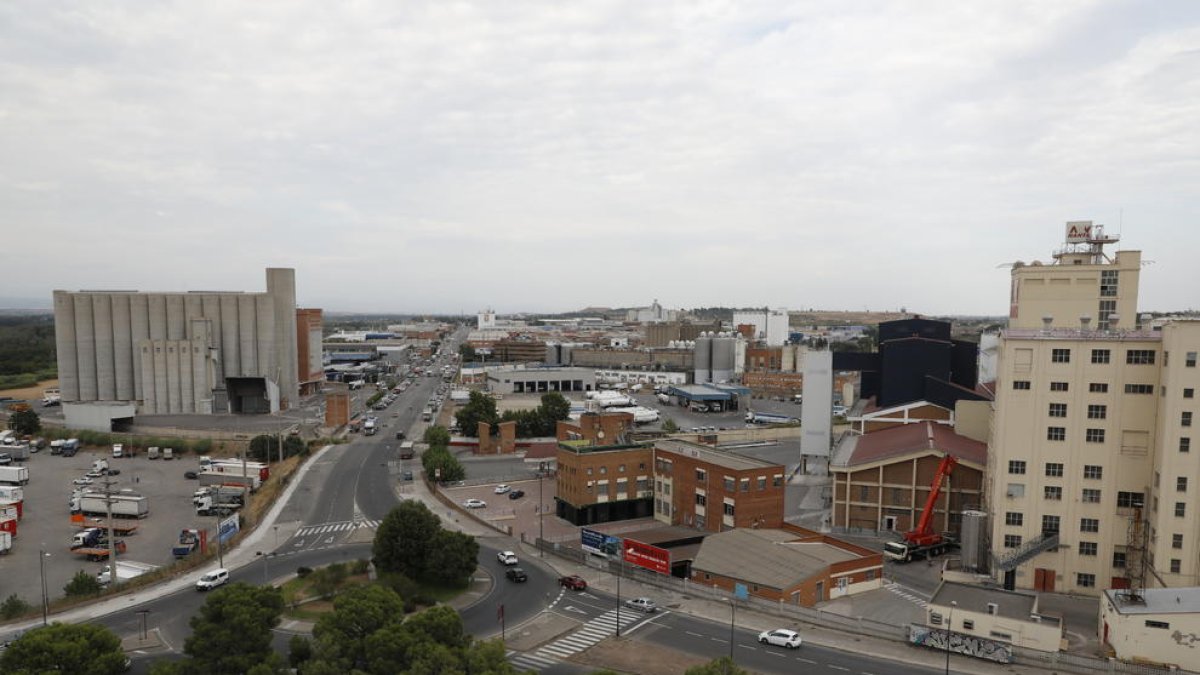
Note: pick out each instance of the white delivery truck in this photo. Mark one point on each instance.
(14, 475)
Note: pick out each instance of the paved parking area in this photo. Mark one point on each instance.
(46, 524)
(521, 516)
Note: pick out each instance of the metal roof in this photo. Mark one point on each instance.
(702, 392)
(766, 557)
(723, 458)
(1157, 601)
(973, 598)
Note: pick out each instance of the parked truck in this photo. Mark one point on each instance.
(124, 504)
(14, 475)
(769, 418)
(19, 452)
(407, 450)
(126, 570)
(213, 505)
(99, 554)
(5, 543)
(237, 466)
(208, 477)
(189, 541)
(92, 537)
(922, 541)
(70, 447)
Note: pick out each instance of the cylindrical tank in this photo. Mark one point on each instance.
(723, 350)
(974, 524)
(703, 359)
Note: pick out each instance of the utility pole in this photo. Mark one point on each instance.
(112, 538)
(220, 556)
(45, 595)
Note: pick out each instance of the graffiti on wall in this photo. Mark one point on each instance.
(968, 645)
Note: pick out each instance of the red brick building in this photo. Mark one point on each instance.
(596, 428)
(603, 483)
(715, 490)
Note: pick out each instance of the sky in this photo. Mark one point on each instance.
(548, 156)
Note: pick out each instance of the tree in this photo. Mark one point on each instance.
(82, 584)
(480, 408)
(440, 465)
(437, 436)
(467, 352)
(232, 631)
(25, 422)
(65, 648)
(670, 426)
(299, 651)
(721, 666)
(554, 408)
(265, 447)
(341, 635)
(13, 606)
(403, 538)
(452, 558)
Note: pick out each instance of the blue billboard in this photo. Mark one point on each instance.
(599, 543)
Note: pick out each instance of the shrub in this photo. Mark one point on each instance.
(299, 650)
(82, 584)
(303, 571)
(360, 566)
(202, 446)
(13, 606)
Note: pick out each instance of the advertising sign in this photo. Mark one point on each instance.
(1079, 231)
(227, 528)
(644, 555)
(599, 543)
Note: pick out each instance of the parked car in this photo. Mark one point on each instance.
(82, 481)
(573, 582)
(408, 475)
(516, 494)
(212, 579)
(507, 557)
(516, 574)
(501, 489)
(191, 475)
(5, 459)
(94, 474)
(642, 605)
(780, 637)
(475, 504)
(114, 472)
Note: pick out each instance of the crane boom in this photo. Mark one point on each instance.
(924, 531)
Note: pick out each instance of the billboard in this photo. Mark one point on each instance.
(652, 558)
(1079, 231)
(599, 543)
(227, 528)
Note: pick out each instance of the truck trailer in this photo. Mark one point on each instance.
(99, 554)
(214, 478)
(124, 504)
(769, 418)
(14, 475)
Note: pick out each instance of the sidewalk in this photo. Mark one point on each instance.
(718, 612)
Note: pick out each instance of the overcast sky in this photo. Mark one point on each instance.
(447, 156)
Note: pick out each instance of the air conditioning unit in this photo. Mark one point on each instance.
(992, 608)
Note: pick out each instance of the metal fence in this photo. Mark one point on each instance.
(1063, 661)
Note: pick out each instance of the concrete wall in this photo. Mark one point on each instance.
(1169, 639)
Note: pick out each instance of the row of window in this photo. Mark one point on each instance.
(1097, 388)
(1133, 357)
(1055, 469)
(1060, 434)
(1051, 524)
(1054, 493)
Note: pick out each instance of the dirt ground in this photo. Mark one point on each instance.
(646, 659)
(30, 393)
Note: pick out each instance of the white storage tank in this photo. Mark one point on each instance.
(973, 548)
(703, 358)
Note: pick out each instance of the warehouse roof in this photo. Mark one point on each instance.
(906, 439)
(975, 598)
(724, 458)
(766, 557)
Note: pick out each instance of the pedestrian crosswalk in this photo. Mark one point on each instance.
(591, 632)
(330, 528)
(904, 593)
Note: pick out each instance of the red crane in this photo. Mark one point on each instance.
(923, 534)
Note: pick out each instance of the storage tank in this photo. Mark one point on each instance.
(974, 525)
(723, 357)
(703, 358)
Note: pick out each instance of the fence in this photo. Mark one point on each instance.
(1063, 661)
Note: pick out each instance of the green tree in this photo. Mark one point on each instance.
(341, 636)
(441, 465)
(489, 656)
(721, 666)
(65, 648)
(403, 538)
(14, 606)
(467, 352)
(437, 436)
(299, 650)
(82, 584)
(452, 558)
(554, 409)
(232, 631)
(265, 447)
(480, 408)
(25, 422)
(670, 426)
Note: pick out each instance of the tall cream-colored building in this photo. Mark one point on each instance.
(1092, 480)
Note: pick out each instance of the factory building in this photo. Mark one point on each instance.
(541, 380)
(769, 326)
(719, 357)
(168, 353)
(309, 359)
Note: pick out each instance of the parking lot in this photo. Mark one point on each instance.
(46, 524)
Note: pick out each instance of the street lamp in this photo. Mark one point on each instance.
(42, 555)
(949, 619)
(732, 620)
(620, 573)
(266, 565)
(541, 511)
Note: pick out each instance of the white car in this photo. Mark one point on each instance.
(475, 504)
(507, 557)
(501, 489)
(212, 579)
(82, 481)
(642, 605)
(780, 637)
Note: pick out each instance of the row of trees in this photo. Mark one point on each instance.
(412, 543)
(541, 421)
(439, 463)
(266, 447)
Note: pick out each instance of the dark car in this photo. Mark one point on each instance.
(191, 475)
(516, 574)
(114, 472)
(573, 582)
(516, 494)
(399, 435)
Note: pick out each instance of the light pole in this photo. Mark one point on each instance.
(620, 573)
(949, 619)
(541, 511)
(266, 565)
(732, 620)
(45, 595)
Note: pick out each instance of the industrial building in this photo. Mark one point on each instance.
(310, 361)
(690, 478)
(1154, 627)
(769, 326)
(540, 380)
(195, 352)
(1093, 484)
(603, 483)
(663, 334)
(719, 357)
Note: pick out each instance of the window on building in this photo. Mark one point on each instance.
(1022, 385)
(1181, 484)
(1098, 387)
(1053, 493)
(1058, 409)
(1107, 308)
(1089, 524)
(1093, 471)
(1185, 444)
(1139, 389)
(1014, 518)
(1119, 559)
(1050, 524)
(1015, 490)
(1085, 580)
(1108, 283)
(968, 624)
(1016, 466)
(762, 482)
(1177, 541)
(701, 475)
(1060, 355)
(1176, 565)
(1091, 496)
(1180, 509)
(777, 480)
(642, 484)
(1185, 419)
(1060, 386)
(701, 500)
(589, 471)
(1139, 357)
(1056, 433)
(730, 484)
(1088, 548)
(1012, 541)
(1054, 469)
(1190, 361)
(1131, 500)
(1097, 412)
(1100, 355)
(1094, 436)
(603, 470)
(864, 493)
(1188, 392)
(1151, 623)
(728, 509)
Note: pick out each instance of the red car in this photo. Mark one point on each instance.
(573, 582)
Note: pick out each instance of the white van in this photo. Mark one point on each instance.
(212, 579)
(152, 452)
(118, 450)
(168, 453)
